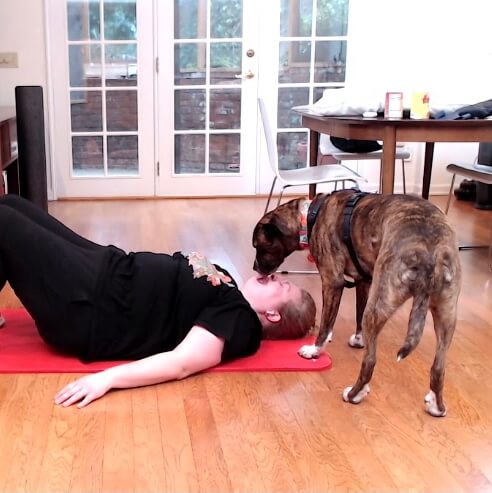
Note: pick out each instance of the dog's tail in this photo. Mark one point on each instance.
(417, 273)
(415, 325)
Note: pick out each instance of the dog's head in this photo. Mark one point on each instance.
(276, 236)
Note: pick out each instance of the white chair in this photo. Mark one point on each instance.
(327, 173)
(326, 148)
(477, 172)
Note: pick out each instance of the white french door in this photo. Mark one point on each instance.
(207, 85)
(102, 74)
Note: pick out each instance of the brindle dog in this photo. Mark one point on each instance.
(404, 248)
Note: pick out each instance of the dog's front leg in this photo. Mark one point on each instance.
(332, 294)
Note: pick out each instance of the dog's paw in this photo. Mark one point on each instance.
(431, 405)
(359, 397)
(356, 340)
(309, 351)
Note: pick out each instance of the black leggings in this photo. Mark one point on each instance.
(52, 270)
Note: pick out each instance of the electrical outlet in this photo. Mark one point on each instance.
(9, 60)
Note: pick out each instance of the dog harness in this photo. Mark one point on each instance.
(348, 210)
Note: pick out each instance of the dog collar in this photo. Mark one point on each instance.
(303, 228)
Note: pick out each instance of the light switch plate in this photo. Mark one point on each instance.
(9, 60)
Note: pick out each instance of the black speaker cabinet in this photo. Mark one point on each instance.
(483, 198)
(31, 140)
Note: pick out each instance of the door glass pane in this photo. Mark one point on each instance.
(294, 61)
(226, 19)
(205, 108)
(331, 59)
(105, 65)
(225, 62)
(225, 108)
(122, 155)
(120, 19)
(332, 18)
(88, 156)
(189, 109)
(296, 17)
(190, 19)
(224, 153)
(189, 153)
(120, 64)
(84, 20)
(292, 149)
(121, 111)
(190, 63)
(86, 111)
(287, 99)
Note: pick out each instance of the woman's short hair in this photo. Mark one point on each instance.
(297, 319)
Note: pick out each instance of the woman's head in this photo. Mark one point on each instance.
(285, 310)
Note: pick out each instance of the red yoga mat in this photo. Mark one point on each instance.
(23, 351)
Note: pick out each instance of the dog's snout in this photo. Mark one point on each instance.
(255, 266)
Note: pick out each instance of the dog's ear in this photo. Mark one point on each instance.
(279, 224)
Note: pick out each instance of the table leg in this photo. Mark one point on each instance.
(313, 157)
(426, 180)
(388, 167)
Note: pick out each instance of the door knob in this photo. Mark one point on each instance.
(247, 75)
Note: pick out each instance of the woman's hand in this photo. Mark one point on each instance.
(84, 390)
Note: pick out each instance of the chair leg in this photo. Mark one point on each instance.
(403, 176)
(270, 196)
(450, 193)
(280, 196)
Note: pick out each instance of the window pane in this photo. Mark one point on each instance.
(189, 154)
(332, 17)
(292, 149)
(122, 155)
(121, 111)
(295, 61)
(226, 19)
(225, 108)
(83, 20)
(331, 58)
(121, 64)
(120, 19)
(296, 18)
(287, 98)
(224, 153)
(189, 63)
(86, 111)
(87, 156)
(190, 19)
(225, 62)
(85, 65)
(189, 109)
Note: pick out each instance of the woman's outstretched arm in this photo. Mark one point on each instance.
(199, 350)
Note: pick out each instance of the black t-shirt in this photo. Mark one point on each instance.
(147, 303)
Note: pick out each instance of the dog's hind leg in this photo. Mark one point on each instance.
(383, 300)
(361, 292)
(444, 315)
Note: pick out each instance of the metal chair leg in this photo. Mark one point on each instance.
(449, 194)
(403, 176)
(270, 196)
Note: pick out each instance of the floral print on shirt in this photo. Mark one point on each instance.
(203, 267)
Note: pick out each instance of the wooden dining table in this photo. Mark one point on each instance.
(390, 131)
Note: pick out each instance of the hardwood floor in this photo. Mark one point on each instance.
(262, 432)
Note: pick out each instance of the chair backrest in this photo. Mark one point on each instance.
(270, 141)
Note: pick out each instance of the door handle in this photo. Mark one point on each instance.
(247, 75)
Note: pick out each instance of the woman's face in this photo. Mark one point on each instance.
(266, 293)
